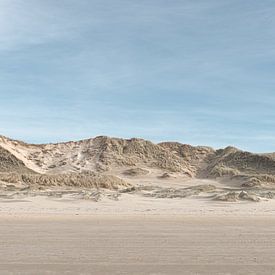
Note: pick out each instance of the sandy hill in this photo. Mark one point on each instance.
(105, 156)
(97, 154)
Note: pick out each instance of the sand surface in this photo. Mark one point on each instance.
(131, 204)
(136, 244)
(136, 235)
(73, 231)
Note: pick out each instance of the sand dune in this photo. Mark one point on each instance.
(114, 163)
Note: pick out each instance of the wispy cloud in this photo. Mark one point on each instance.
(196, 71)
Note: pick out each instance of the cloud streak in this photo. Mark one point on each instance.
(194, 71)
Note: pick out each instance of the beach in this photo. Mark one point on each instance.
(44, 236)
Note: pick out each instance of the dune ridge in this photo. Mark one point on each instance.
(115, 163)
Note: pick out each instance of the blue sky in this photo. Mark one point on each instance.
(195, 71)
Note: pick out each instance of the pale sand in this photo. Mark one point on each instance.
(136, 235)
(137, 244)
(132, 204)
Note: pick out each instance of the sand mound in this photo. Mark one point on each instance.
(221, 170)
(178, 192)
(259, 181)
(85, 179)
(267, 195)
(137, 151)
(237, 196)
(136, 172)
(197, 157)
(250, 169)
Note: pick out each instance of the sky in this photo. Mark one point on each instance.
(200, 72)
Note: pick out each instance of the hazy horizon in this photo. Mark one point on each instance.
(197, 72)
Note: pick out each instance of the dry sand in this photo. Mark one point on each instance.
(137, 244)
(136, 235)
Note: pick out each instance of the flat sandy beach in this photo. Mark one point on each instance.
(40, 235)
